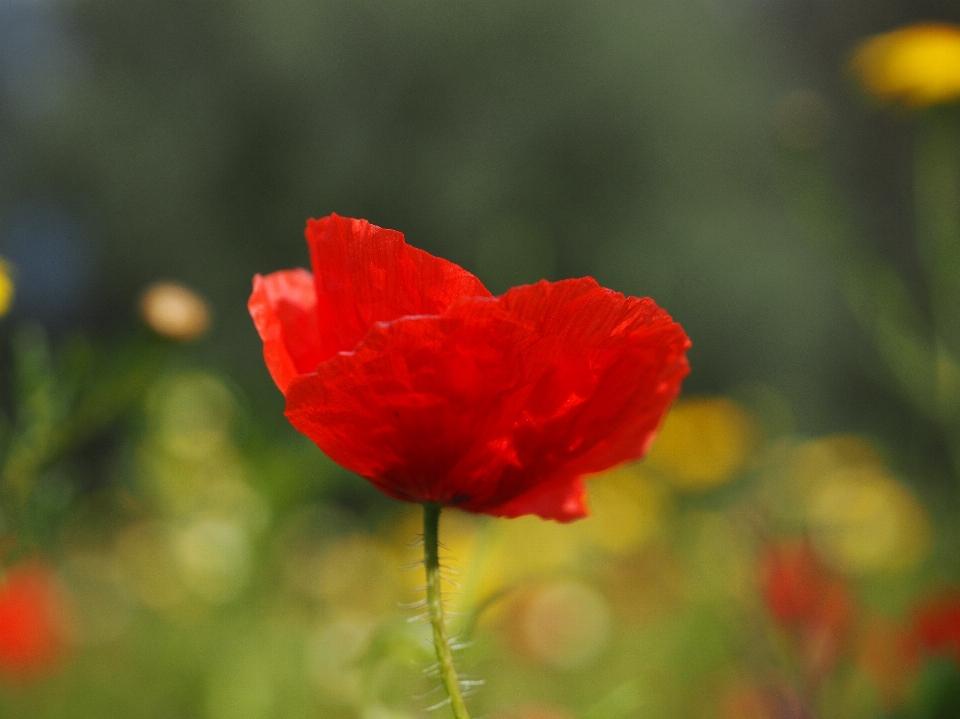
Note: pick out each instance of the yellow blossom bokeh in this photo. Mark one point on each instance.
(866, 521)
(704, 443)
(6, 288)
(800, 469)
(626, 510)
(918, 65)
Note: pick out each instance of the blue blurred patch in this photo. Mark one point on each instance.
(53, 263)
(36, 57)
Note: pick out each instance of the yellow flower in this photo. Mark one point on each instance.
(703, 443)
(862, 518)
(865, 521)
(626, 510)
(918, 65)
(6, 288)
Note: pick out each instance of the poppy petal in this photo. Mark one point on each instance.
(283, 307)
(563, 499)
(500, 404)
(366, 274)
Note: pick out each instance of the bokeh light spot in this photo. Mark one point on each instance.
(625, 510)
(564, 624)
(174, 311)
(213, 555)
(866, 521)
(35, 628)
(703, 443)
(332, 653)
(6, 288)
(918, 65)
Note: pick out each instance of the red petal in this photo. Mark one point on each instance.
(937, 623)
(366, 274)
(562, 499)
(283, 307)
(500, 404)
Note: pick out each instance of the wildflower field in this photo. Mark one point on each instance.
(515, 360)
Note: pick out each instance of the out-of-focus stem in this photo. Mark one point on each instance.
(937, 198)
(448, 673)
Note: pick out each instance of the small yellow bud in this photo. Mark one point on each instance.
(172, 310)
(6, 288)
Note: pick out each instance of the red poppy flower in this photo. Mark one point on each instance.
(794, 582)
(403, 368)
(936, 624)
(33, 621)
(806, 597)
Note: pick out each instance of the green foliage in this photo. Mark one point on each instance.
(62, 401)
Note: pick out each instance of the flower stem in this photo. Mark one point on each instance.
(431, 526)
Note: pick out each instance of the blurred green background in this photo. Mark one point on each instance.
(716, 155)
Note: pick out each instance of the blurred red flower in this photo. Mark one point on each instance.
(937, 624)
(805, 597)
(403, 368)
(33, 621)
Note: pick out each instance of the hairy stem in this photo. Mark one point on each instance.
(431, 526)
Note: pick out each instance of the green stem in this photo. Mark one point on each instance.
(431, 527)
